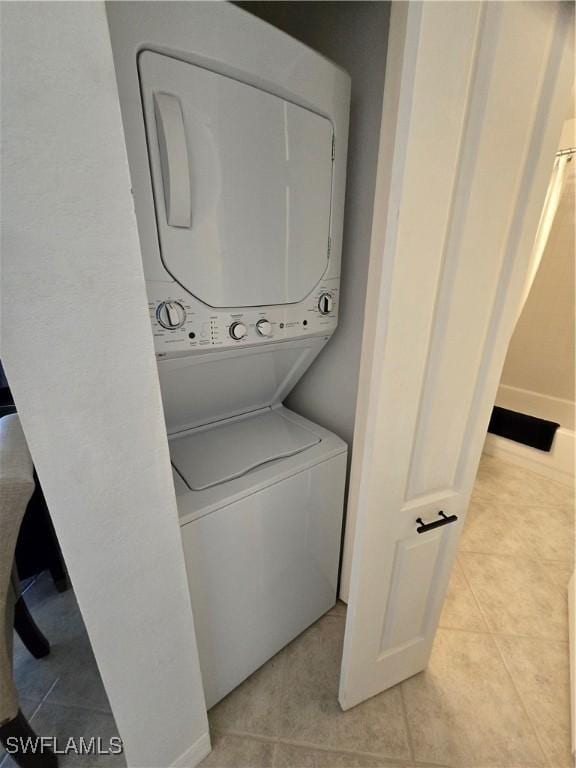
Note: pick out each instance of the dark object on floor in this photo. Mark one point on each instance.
(37, 549)
(19, 732)
(528, 430)
(27, 630)
(16, 488)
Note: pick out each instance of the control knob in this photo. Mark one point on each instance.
(264, 327)
(238, 331)
(171, 314)
(325, 303)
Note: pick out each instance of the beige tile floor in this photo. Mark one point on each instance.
(495, 694)
(496, 691)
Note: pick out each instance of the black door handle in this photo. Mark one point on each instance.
(444, 520)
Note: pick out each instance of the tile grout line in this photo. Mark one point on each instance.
(556, 588)
(43, 699)
(406, 723)
(503, 634)
(476, 601)
(524, 707)
(279, 740)
(83, 707)
(394, 761)
(274, 753)
(488, 497)
(245, 735)
(493, 637)
(523, 469)
(282, 682)
(519, 505)
(28, 587)
(506, 556)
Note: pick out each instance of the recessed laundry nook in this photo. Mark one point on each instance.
(262, 266)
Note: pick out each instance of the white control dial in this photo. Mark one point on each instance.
(325, 304)
(264, 327)
(171, 314)
(238, 331)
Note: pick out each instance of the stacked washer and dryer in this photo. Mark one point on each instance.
(237, 138)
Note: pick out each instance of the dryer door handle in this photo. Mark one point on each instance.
(173, 159)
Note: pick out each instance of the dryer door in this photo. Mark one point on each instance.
(242, 185)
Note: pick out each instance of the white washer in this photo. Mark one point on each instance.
(237, 138)
(262, 549)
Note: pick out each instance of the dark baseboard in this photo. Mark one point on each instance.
(522, 428)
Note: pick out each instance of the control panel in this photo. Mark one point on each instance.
(182, 324)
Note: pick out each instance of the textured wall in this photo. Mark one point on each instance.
(77, 349)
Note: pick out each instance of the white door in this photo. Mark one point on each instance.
(474, 100)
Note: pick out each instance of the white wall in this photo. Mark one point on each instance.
(540, 360)
(78, 353)
(568, 136)
(353, 35)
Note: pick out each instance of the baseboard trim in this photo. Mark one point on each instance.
(536, 404)
(557, 465)
(194, 754)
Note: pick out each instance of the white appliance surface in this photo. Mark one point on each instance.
(203, 388)
(262, 554)
(237, 141)
(225, 450)
(255, 190)
(194, 504)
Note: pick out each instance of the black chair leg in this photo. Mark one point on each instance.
(23, 746)
(28, 631)
(59, 575)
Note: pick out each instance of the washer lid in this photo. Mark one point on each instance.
(242, 184)
(215, 454)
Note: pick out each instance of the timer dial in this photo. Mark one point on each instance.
(264, 327)
(325, 303)
(238, 331)
(171, 314)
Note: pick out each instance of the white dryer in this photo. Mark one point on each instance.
(237, 138)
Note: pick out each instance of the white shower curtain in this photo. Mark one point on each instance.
(546, 219)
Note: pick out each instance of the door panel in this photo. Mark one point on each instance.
(415, 558)
(242, 185)
(463, 178)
